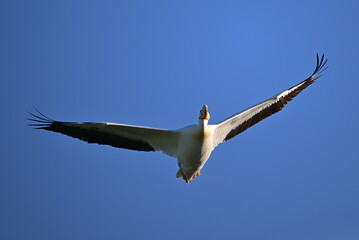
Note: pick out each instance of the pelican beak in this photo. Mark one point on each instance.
(204, 114)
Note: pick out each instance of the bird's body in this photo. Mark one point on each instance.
(192, 145)
(194, 148)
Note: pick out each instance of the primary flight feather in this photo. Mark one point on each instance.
(192, 145)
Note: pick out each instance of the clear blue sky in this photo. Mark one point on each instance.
(155, 63)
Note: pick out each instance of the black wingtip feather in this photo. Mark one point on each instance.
(46, 117)
(39, 120)
(320, 66)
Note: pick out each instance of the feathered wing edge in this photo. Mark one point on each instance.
(116, 135)
(240, 122)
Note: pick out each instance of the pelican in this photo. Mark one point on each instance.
(191, 145)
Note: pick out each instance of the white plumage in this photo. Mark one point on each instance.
(192, 145)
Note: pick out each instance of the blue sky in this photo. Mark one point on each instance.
(155, 63)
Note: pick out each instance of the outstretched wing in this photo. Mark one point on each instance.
(116, 135)
(240, 122)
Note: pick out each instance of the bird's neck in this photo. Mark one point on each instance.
(203, 123)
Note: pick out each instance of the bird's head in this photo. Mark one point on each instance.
(204, 114)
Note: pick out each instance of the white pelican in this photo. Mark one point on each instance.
(191, 145)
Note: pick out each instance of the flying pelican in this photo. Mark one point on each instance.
(192, 145)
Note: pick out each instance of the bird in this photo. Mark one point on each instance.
(191, 145)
